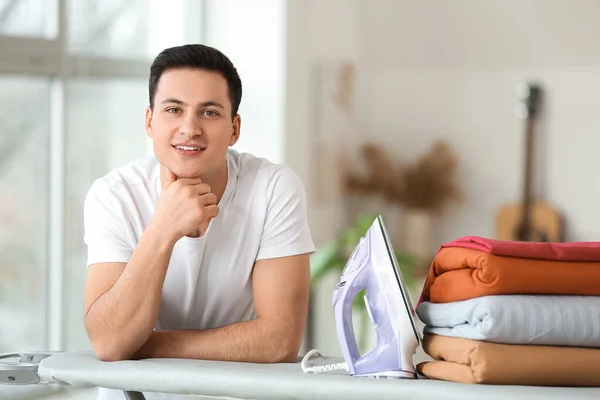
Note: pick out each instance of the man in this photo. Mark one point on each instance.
(199, 251)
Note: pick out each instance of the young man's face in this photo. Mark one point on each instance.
(191, 125)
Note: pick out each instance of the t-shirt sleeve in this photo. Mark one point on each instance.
(105, 233)
(286, 231)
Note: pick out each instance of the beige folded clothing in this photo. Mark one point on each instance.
(471, 361)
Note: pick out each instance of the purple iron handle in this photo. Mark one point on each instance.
(370, 267)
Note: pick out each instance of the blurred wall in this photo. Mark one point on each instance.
(449, 69)
(316, 31)
(432, 69)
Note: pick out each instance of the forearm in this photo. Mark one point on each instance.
(122, 319)
(256, 341)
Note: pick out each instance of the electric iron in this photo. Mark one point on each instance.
(373, 266)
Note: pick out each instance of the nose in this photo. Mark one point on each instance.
(191, 126)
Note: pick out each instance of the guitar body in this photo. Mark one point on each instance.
(545, 223)
(530, 220)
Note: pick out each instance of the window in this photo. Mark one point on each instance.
(29, 18)
(23, 210)
(122, 29)
(73, 75)
(105, 129)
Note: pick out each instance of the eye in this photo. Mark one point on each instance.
(172, 110)
(211, 113)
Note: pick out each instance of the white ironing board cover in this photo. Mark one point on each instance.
(270, 381)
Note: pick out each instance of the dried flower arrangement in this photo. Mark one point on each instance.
(427, 185)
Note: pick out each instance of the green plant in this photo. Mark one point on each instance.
(332, 258)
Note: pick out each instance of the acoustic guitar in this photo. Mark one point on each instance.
(531, 220)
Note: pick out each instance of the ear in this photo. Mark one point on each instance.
(235, 135)
(148, 121)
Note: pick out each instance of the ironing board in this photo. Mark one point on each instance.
(261, 381)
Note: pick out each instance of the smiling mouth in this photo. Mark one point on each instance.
(189, 148)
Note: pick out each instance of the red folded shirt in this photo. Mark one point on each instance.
(570, 251)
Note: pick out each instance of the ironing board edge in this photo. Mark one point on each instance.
(266, 381)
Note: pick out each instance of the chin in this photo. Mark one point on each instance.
(184, 171)
(188, 174)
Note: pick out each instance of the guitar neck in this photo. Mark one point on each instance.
(531, 98)
(527, 196)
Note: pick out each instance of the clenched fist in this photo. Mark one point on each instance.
(185, 207)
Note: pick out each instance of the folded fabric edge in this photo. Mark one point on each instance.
(447, 371)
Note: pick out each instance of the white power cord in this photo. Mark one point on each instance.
(318, 369)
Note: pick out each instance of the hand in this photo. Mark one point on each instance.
(186, 206)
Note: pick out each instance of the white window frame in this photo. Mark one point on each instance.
(49, 58)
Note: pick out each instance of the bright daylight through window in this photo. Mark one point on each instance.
(73, 78)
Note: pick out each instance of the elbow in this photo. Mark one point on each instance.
(109, 350)
(287, 352)
(289, 357)
(111, 356)
(110, 353)
(110, 346)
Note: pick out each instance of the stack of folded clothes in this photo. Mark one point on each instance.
(514, 313)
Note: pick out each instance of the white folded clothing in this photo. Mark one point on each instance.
(517, 319)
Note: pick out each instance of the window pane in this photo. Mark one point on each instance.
(24, 163)
(29, 18)
(128, 28)
(105, 130)
(231, 29)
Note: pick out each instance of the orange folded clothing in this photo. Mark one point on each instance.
(459, 273)
(470, 361)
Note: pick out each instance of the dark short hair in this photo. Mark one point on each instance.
(196, 56)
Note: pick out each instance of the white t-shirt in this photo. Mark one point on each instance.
(262, 214)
